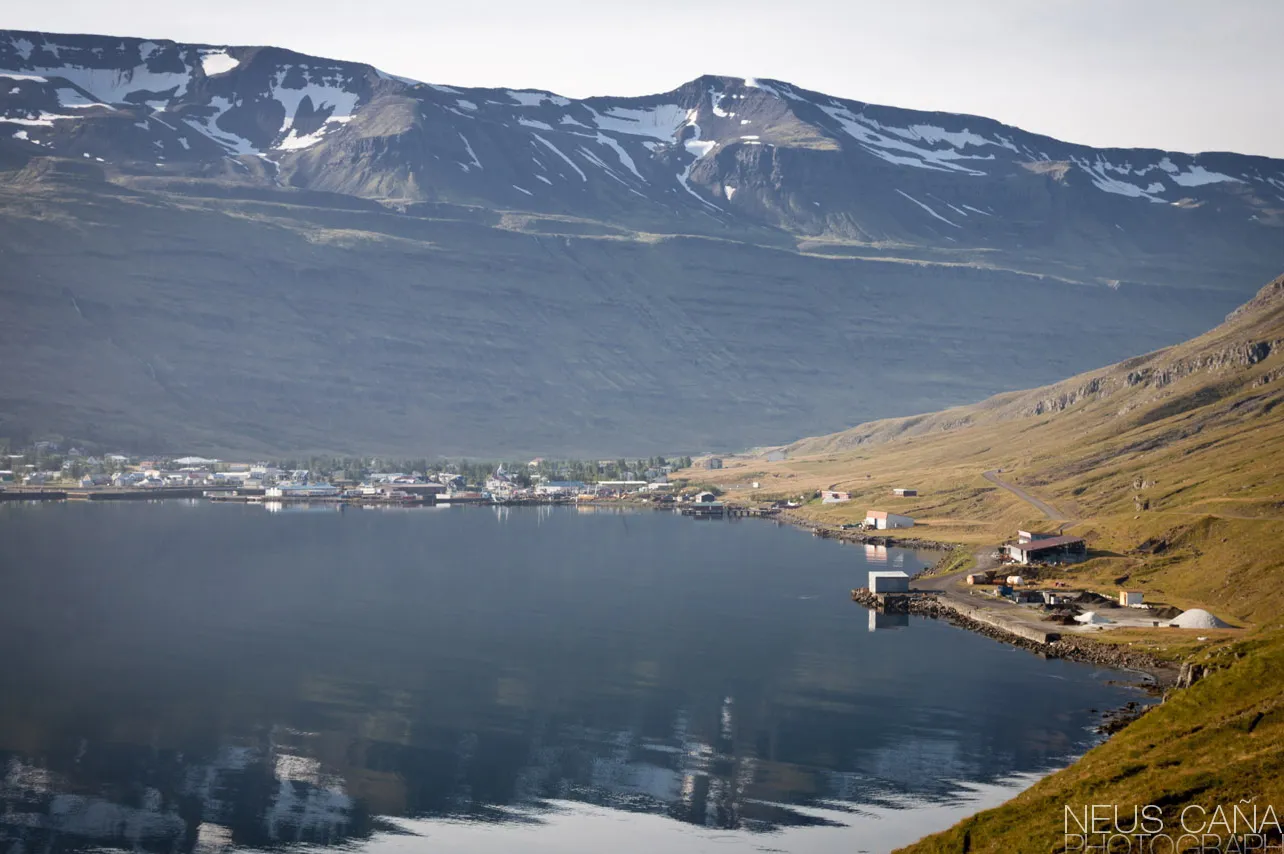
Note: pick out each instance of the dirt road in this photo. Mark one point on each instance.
(1042, 506)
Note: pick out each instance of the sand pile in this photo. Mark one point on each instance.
(1198, 618)
(1091, 618)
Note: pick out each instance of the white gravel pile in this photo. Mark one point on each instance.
(1091, 618)
(1198, 618)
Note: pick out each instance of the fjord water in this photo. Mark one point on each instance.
(184, 676)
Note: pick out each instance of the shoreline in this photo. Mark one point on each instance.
(1160, 674)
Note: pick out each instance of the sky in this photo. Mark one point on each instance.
(1184, 75)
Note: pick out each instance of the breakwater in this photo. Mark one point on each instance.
(1048, 643)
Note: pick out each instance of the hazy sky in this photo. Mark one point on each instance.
(1191, 75)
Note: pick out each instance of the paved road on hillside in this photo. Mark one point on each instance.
(1042, 506)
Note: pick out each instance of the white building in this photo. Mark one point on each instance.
(309, 490)
(882, 520)
(1131, 598)
(888, 581)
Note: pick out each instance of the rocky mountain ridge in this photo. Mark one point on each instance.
(223, 249)
(714, 155)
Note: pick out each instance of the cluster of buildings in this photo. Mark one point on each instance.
(1035, 547)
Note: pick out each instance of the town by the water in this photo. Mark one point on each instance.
(1012, 591)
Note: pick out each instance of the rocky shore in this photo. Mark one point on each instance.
(1069, 648)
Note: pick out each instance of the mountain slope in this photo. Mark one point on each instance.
(246, 249)
(1171, 465)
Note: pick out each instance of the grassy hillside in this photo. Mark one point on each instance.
(1171, 465)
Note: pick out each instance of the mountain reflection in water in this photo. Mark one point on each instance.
(194, 677)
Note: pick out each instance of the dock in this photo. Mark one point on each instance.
(933, 604)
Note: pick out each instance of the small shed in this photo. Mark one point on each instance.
(888, 581)
(882, 520)
(902, 492)
(706, 498)
(1130, 598)
(830, 496)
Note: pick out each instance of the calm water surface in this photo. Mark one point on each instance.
(185, 676)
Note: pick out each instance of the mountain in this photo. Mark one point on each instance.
(250, 249)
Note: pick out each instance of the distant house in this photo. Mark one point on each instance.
(888, 581)
(902, 492)
(706, 498)
(830, 496)
(560, 488)
(1130, 598)
(194, 461)
(303, 490)
(1049, 550)
(882, 520)
(713, 463)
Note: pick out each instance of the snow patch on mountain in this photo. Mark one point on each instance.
(557, 151)
(296, 142)
(661, 122)
(716, 97)
(1097, 173)
(1197, 176)
(324, 95)
(34, 78)
(124, 86)
(41, 119)
(625, 159)
(929, 209)
(217, 61)
(535, 99)
(896, 147)
(699, 148)
(471, 154)
(209, 127)
(73, 100)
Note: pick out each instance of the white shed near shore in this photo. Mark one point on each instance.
(882, 520)
(888, 581)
